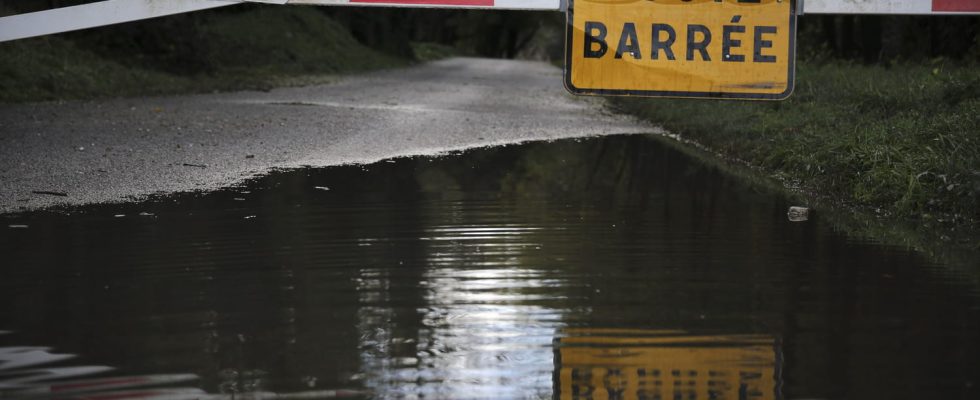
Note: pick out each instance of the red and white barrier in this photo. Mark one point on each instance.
(908, 7)
(917, 7)
(108, 12)
(553, 5)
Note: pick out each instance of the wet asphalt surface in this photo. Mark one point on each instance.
(74, 153)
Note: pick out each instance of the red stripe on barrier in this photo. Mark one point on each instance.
(956, 5)
(484, 3)
(119, 396)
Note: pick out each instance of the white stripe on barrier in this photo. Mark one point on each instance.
(532, 4)
(867, 6)
(91, 15)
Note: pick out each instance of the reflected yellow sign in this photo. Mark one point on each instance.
(640, 364)
(738, 49)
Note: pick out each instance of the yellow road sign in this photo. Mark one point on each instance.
(735, 49)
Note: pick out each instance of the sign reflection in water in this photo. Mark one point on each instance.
(489, 331)
(649, 364)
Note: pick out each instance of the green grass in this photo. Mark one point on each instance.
(55, 69)
(288, 40)
(427, 51)
(257, 48)
(902, 141)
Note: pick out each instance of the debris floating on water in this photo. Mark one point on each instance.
(146, 214)
(17, 226)
(194, 165)
(50, 193)
(798, 214)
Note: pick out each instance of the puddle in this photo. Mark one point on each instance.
(603, 268)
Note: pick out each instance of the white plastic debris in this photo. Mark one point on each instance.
(798, 214)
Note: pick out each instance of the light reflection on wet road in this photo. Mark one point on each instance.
(595, 268)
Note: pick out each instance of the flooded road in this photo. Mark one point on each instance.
(602, 268)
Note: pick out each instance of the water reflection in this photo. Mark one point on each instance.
(481, 334)
(492, 274)
(26, 373)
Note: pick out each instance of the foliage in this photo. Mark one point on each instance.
(486, 33)
(888, 38)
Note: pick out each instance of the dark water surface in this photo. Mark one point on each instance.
(603, 268)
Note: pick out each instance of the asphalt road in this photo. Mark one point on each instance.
(119, 150)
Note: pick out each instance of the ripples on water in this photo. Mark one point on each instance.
(603, 268)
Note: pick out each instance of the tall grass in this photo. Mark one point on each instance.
(902, 140)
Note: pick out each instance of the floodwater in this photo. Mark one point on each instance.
(608, 268)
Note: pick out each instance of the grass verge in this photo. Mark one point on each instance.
(253, 48)
(901, 142)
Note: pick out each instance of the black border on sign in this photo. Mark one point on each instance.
(790, 85)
